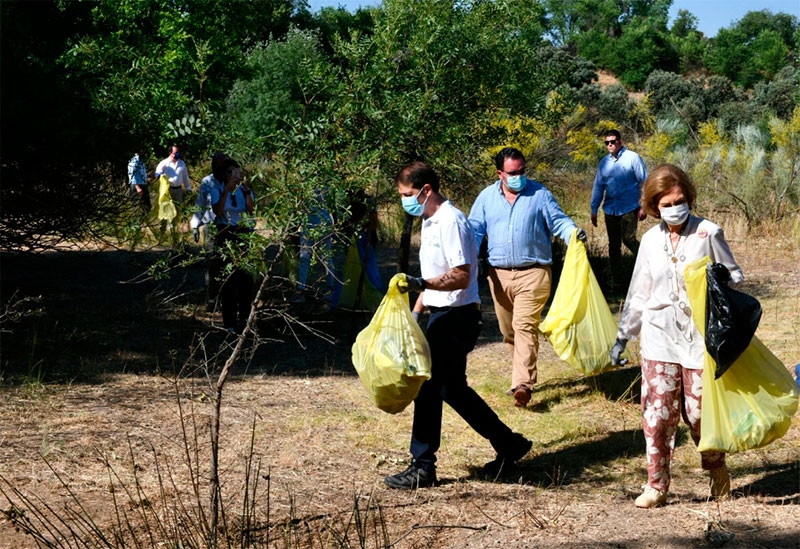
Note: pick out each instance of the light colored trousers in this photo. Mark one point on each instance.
(519, 298)
(670, 391)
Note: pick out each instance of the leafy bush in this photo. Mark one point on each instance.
(286, 77)
(615, 103)
(780, 95)
(666, 90)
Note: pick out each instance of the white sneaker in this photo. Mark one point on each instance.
(651, 498)
(720, 482)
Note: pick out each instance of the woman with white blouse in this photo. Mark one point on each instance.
(657, 310)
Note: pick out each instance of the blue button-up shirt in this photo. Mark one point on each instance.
(204, 205)
(137, 173)
(618, 183)
(519, 234)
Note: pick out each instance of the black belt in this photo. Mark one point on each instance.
(467, 307)
(523, 268)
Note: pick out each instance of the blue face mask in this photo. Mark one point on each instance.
(412, 206)
(516, 183)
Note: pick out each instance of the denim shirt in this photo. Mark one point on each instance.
(519, 234)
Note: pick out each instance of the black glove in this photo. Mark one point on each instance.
(616, 352)
(581, 235)
(196, 235)
(412, 284)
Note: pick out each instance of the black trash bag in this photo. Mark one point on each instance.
(731, 318)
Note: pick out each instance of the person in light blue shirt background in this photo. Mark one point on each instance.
(519, 217)
(233, 205)
(208, 194)
(617, 186)
(137, 181)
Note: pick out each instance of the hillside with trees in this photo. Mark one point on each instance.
(338, 100)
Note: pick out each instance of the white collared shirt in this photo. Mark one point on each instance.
(656, 308)
(176, 172)
(447, 241)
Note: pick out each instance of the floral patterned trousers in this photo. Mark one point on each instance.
(669, 391)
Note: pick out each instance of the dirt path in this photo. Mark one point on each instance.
(104, 334)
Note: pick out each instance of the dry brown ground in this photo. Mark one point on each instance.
(325, 446)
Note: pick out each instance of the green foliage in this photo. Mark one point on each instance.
(781, 95)
(630, 39)
(332, 24)
(642, 48)
(615, 104)
(335, 104)
(185, 126)
(691, 99)
(754, 49)
(289, 76)
(689, 43)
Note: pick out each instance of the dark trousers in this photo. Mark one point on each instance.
(621, 229)
(140, 201)
(236, 289)
(452, 333)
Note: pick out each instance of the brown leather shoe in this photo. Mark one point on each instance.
(522, 396)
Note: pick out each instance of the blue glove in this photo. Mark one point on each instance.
(616, 353)
(581, 235)
(412, 284)
(415, 315)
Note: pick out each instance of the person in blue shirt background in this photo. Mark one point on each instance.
(211, 188)
(617, 186)
(137, 181)
(233, 203)
(519, 216)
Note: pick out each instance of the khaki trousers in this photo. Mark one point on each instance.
(519, 297)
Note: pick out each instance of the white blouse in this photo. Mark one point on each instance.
(657, 307)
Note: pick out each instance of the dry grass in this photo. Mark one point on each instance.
(326, 448)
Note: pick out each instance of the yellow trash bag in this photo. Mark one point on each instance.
(358, 289)
(753, 402)
(166, 209)
(391, 355)
(579, 324)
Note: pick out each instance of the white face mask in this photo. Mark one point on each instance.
(675, 215)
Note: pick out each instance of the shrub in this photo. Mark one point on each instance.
(780, 95)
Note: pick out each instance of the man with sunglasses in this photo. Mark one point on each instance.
(617, 186)
(519, 217)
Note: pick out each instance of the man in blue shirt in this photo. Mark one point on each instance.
(519, 216)
(137, 181)
(618, 186)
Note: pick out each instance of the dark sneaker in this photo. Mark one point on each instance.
(522, 396)
(412, 478)
(505, 461)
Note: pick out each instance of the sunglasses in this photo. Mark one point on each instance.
(612, 142)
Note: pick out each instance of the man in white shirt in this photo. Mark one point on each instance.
(448, 287)
(175, 170)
